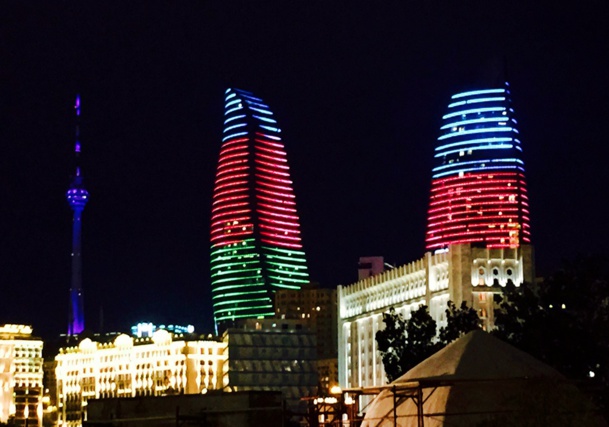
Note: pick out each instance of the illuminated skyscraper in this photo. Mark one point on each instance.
(478, 190)
(256, 247)
(77, 197)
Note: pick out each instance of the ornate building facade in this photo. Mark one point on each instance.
(127, 367)
(21, 376)
(461, 273)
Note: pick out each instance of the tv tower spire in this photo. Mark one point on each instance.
(77, 197)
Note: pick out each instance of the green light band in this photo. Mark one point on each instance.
(236, 294)
(285, 251)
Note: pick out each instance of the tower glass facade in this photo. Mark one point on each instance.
(478, 190)
(256, 245)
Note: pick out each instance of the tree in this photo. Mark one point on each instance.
(459, 321)
(405, 343)
(563, 321)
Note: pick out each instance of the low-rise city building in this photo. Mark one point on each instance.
(460, 273)
(21, 376)
(163, 364)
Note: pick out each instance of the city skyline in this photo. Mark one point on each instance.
(359, 93)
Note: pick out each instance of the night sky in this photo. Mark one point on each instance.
(358, 90)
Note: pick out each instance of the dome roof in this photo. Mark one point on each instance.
(480, 380)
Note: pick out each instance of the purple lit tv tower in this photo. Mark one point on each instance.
(77, 197)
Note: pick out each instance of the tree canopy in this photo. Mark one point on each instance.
(404, 343)
(563, 320)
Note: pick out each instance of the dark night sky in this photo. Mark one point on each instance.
(358, 89)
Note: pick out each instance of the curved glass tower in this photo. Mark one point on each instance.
(478, 190)
(255, 233)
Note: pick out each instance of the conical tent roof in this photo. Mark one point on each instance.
(479, 380)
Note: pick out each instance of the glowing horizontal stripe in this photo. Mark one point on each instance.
(291, 259)
(239, 219)
(238, 125)
(474, 199)
(272, 158)
(232, 95)
(278, 243)
(252, 260)
(224, 167)
(234, 135)
(264, 119)
(477, 148)
(274, 221)
(237, 301)
(233, 102)
(473, 141)
(227, 157)
(273, 165)
(278, 215)
(478, 169)
(249, 284)
(233, 212)
(280, 236)
(482, 177)
(475, 101)
(288, 279)
(235, 141)
(490, 232)
(227, 112)
(255, 309)
(272, 151)
(280, 229)
(272, 172)
(275, 186)
(229, 206)
(283, 251)
(270, 128)
(478, 120)
(473, 111)
(230, 119)
(221, 196)
(288, 266)
(274, 138)
(230, 235)
(230, 184)
(269, 143)
(473, 131)
(477, 92)
(260, 110)
(231, 148)
(281, 200)
(272, 179)
(224, 174)
(471, 223)
(474, 162)
(264, 106)
(275, 206)
(286, 276)
(247, 243)
(229, 177)
(475, 185)
(248, 95)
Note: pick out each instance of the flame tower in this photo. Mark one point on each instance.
(256, 246)
(478, 190)
(77, 197)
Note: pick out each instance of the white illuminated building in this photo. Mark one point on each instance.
(128, 367)
(459, 273)
(20, 376)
